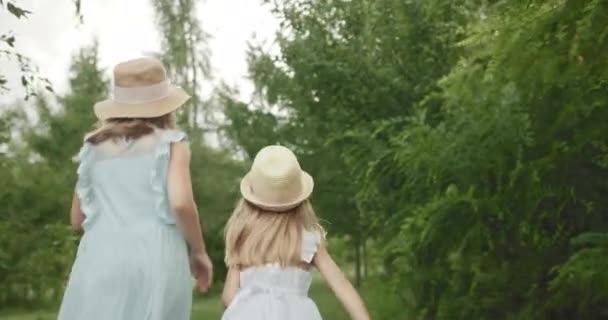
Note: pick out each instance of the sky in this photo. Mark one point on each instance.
(126, 29)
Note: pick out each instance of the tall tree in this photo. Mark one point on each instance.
(343, 67)
(185, 54)
(214, 172)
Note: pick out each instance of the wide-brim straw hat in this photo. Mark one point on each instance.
(141, 90)
(276, 182)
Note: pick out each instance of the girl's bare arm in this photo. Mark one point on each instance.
(342, 288)
(231, 286)
(181, 198)
(76, 215)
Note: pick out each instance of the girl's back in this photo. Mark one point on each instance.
(130, 238)
(123, 182)
(272, 291)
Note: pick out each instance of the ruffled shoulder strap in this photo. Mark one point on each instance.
(310, 244)
(167, 137)
(158, 176)
(172, 135)
(84, 188)
(83, 156)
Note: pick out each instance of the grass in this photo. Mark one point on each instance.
(211, 307)
(381, 302)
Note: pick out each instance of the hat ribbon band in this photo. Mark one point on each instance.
(138, 95)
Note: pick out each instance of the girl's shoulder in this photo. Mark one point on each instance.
(159, 140)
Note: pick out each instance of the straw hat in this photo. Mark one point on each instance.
(141, 90)
(276, 182)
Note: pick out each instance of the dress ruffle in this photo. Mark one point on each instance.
(84, 189)
(310, 244)
(160, 170)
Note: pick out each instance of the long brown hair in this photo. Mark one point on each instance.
(129, 128)
(255, 237)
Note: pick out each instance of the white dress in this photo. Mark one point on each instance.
(272, 292)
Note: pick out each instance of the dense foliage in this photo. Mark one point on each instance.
(468, 136)
(38, 177)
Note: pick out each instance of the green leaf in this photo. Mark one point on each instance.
(16, 11)
(10, 41)
(591, 239)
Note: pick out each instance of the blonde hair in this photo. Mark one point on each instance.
(130, 128)
(255, 237)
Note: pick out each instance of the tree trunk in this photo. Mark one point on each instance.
(358, 240)
(357, 259)
(365, 259)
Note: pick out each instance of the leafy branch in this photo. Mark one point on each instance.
(13, 9)
(30, 79)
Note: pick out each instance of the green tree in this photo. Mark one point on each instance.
(185, 54)
(58, 135)
(467, 136)
(344, 67)
(38, 180)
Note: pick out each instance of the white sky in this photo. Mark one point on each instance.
(125, 29)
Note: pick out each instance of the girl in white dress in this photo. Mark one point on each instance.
(273, 240)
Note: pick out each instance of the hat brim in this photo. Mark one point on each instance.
(111, 109)
(307, 188)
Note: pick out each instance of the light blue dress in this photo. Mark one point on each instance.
(132, 261)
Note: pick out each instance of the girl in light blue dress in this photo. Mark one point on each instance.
(273, 240)
(134, 203)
